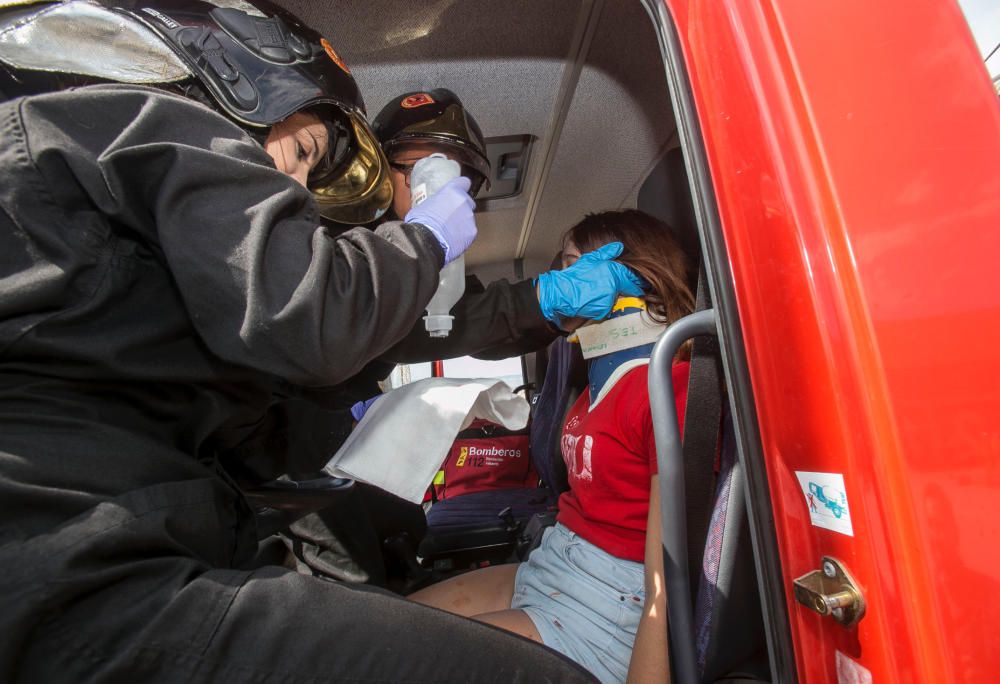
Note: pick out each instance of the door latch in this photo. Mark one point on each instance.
(831, 591)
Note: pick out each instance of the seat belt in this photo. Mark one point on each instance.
(702, 424)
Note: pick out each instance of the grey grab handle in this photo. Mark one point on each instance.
(673, 509)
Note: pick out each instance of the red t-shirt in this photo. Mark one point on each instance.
(610, 456)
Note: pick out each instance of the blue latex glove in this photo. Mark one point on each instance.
(359, 409)
(448, 215)
(589, 287)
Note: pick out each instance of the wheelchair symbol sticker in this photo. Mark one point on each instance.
(826, 500)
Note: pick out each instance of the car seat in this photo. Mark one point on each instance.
(728, 630)
(491, 526)
(717, 631)
(728, 623)
(565, 379)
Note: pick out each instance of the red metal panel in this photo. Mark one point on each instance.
(854, 148)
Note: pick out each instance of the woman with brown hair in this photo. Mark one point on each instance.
(594, 589)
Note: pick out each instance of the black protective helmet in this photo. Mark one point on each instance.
(257, 63)
(435, 117)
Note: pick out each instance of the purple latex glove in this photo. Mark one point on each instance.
(448, 215)
(360, 408)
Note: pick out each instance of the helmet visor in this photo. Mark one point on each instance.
(351, 184)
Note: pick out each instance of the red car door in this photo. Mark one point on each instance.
(853, 149)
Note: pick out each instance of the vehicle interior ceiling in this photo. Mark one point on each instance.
(583, 78)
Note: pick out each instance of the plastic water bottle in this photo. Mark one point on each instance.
(428, 175)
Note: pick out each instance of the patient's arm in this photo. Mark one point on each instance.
(650, 657)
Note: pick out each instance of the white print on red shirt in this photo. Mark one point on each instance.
(579, 468)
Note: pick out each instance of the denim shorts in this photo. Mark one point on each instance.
(584, 602)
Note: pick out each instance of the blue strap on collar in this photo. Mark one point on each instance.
(600, 369)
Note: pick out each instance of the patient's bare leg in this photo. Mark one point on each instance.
(512, 620)
(487, 590)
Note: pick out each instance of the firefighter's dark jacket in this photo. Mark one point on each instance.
(164, 290)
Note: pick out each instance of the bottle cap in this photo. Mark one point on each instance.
(438, 325)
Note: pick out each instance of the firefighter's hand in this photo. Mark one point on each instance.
(448, 215)
(588, 288)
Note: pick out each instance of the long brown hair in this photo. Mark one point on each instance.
(650, 250)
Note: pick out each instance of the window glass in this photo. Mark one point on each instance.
(406, 373)
(508, 370)
(984, 20)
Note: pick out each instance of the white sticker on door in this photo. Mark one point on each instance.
(851, 672)
(826, 498)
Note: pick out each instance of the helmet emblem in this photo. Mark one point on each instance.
(333, 54)
(416, 100)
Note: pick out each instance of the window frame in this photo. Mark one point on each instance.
(774, 603)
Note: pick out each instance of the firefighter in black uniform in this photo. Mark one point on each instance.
(345, 539)
(501, 320)
(165, 282)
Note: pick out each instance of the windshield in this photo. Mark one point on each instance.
(984, 20)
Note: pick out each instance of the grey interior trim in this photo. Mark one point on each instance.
(734, 362)
(587, 21)
(630, 199)
(502, 185)
(581, 76)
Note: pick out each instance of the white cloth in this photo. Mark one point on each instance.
(405, 436)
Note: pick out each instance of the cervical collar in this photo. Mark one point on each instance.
(630, 345)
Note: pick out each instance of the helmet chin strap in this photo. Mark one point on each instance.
(193, 90)
(259, 135)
